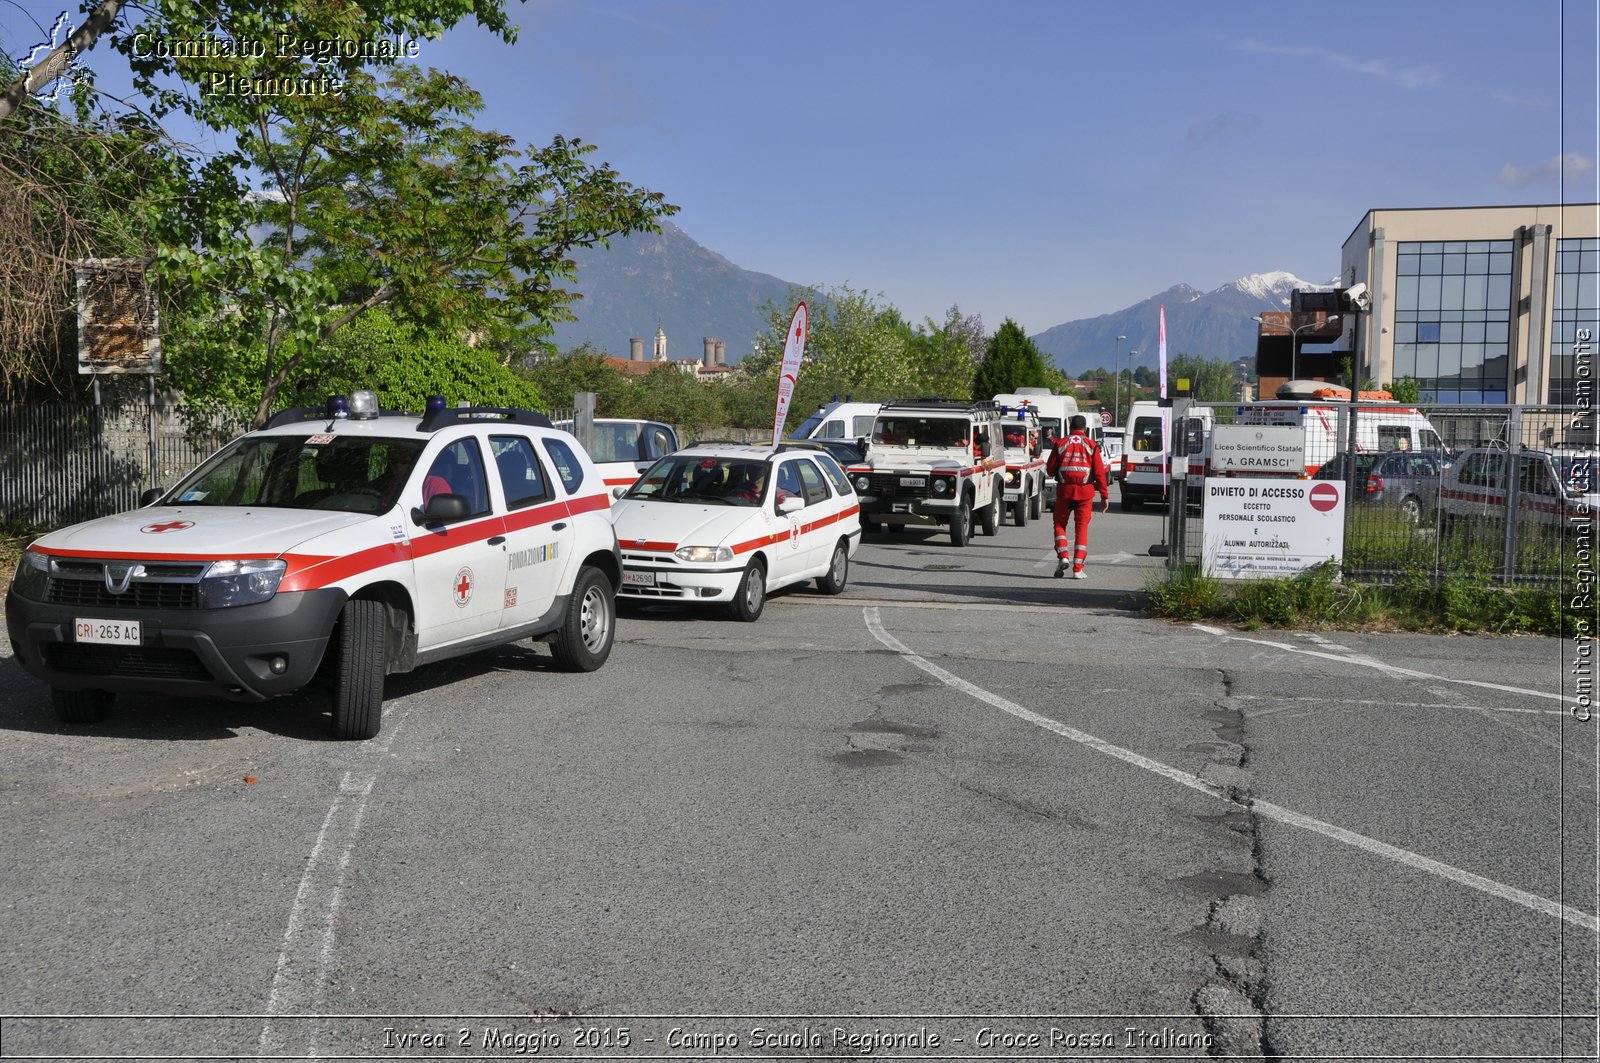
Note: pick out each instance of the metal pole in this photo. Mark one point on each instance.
(154, 414)
(1116, 358)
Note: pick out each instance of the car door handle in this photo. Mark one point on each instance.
(497, 540)
(558, 527)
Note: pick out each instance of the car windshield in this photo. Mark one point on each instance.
(921, 432)
(702, 480)
(809, 425)
(360, 474)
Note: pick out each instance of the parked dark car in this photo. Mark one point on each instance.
(1406, 479)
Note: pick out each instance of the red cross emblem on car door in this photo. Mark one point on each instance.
(463, 587)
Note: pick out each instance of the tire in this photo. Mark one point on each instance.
(1019, 512)
(989, 519)
(894, 529)
(751, 597)
(584, 640)
(832, 581)
(1411, 510)
(358, 676)
(961, 525)
(1128, 505)
(1037, 505)
(82, 706)
(870, 526)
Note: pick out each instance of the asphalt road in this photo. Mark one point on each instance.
(964, 809)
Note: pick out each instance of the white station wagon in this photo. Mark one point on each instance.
(729, 523)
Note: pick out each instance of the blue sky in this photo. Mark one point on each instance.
(1043, 161)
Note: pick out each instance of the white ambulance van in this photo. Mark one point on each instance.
(1145, 448)
(1381, 423)
(839, 420)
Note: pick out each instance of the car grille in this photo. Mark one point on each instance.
(137, 662)
(888, 485)
(160, 586)
(139, 595)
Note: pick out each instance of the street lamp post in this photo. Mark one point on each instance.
(1116, 402)
(1131, 356)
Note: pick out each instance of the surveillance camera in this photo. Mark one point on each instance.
(1358, 297)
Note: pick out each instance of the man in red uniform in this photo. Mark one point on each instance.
(1079, 470)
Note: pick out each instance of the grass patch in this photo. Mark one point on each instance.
(1465, 600)
(12, 540)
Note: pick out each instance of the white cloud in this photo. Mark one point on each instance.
(1413, 77)
(1575, 164)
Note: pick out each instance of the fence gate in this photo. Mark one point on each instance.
(1502, 493)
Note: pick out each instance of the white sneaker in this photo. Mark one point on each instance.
(1061, 568)
(1080, 574)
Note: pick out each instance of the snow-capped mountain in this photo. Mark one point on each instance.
(1214, 324)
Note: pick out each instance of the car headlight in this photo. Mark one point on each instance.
(230, 583)
(941, 486)
(862, 483)
(703, 553)
(32, 580)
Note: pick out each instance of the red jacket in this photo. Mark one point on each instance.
(1097, 476)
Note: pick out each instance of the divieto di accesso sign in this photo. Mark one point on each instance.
(1269, 527)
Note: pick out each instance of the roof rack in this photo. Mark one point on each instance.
(952, 405)
(443, 417)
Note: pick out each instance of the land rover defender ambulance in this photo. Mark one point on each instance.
(934, 462)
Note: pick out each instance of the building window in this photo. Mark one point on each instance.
(1452, 320)
(1577, 306)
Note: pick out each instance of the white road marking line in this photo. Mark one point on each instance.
(1404, 857)
(1386, 668)
(300, 980)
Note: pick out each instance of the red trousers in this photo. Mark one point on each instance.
(1079, 511)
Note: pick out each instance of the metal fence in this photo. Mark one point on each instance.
(61, 463)
(1496, 493)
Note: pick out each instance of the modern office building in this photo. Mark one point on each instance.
(1478, 304)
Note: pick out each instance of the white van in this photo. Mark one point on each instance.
(1381, 423)
(1054, 410)
(839, 420)
(1145, 447)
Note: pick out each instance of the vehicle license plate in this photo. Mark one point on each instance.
(638, 579)
(913, 481)
(107, 632)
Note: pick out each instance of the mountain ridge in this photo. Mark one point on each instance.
(668, 280)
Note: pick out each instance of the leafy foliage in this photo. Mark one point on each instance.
(1011, 361)
(406, 365)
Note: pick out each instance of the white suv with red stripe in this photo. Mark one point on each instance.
(339, 543)
(729, 523)
(934, 461)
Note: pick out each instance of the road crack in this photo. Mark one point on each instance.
(1232, 1003)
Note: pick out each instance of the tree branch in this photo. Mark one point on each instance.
(56, 62)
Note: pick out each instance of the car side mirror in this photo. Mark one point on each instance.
(150, 496)
(441, 509)
(792, 504)
(619, 491)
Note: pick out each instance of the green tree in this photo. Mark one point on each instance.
(366, 176)
(406, 365)
(585, 369)
(393, 198)
(1011, 360)
(856, 347)
(669, 394)
(1406, 390)
(1210, 379)
(945, 355)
